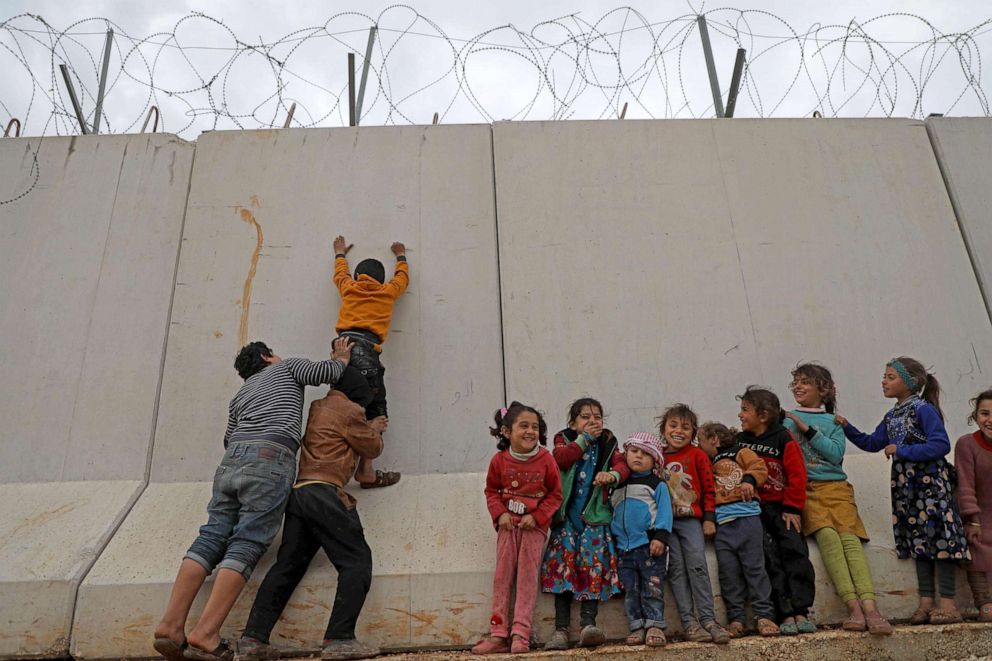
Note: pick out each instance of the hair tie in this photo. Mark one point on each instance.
(502, 412)
(904, 374)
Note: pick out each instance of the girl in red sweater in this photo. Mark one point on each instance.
(523, 492)
(783, 497)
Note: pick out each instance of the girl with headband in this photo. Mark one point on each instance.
(925, 519)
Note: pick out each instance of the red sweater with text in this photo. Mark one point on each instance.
(523, 487)
(689, 474)
(786, 483)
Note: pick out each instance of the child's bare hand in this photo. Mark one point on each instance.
(973, 533)
(792, 521)
(800, 425)
(398, 248)
(379, 424)
(505, 521)
(527, 522)
(890, 449)
(840, 420)
(603, 479)
(656, 548)
(747, 491)
(709, 529)
(341, 247)
(342, 350)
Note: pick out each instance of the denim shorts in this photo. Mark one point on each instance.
(251, 488)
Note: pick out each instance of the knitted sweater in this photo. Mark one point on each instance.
(823, 445)
(523, 487)
(689, 473)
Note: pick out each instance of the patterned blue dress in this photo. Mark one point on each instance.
(925, 519)
(581, 558)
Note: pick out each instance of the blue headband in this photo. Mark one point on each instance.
(904, 374)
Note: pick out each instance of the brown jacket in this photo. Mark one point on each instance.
(733, 466)
(337, 435)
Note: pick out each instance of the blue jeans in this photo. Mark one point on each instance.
(643, 579)
(251, 487)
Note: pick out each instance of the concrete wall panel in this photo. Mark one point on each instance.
(653, 262)
(964, 147)
(93, 251)
(430, 187)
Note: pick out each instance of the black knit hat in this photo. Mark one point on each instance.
(355, 387)
(372, 268)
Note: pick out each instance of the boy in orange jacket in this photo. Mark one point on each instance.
(366, 310)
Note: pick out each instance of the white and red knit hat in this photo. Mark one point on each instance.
(649, 443)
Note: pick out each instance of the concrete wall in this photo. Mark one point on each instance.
(87, 259)
(640, 262)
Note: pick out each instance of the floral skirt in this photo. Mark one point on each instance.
(925, 519)
(581, 562)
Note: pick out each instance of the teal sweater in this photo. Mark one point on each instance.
(823, 447)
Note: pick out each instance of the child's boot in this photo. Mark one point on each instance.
(558, 641)
(591, 636)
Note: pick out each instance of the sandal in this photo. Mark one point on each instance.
(767, 628)
(806, 625)
(735, 629)
(855, 623)
(382, 479)
(222, 652)
(655, 637)
(920, 616)
(985, 613)
(636, 637)
(786, 629)
(945, 616)
(878, 625)
(169, 648)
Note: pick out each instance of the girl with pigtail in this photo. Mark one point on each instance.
(925, 519)
(523, 492)
(831, 514)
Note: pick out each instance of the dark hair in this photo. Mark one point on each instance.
(681, 411)
(924, 379)
(764, 401)
(978, 399)
(249, 361)
(372, 268)
(725, 436)
(355, 386)
(576, 407)
(512, 412)
(822, 379)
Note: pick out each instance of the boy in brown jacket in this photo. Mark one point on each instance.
(367, 302)
(738, 473)
(320, 514)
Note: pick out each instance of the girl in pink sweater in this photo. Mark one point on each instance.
(973, 459)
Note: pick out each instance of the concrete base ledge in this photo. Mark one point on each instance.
(959, 641)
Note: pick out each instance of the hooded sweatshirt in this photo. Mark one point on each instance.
(786, 483)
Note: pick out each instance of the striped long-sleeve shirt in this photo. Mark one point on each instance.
(269, 406)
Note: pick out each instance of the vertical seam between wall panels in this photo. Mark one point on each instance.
(143, 486)
(955, 207)
(499, 268)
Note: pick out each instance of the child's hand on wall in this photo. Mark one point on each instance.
(656, 548)
(709, 529)
(505, 521)
(342, 247)
(398, 248)
(527, 522)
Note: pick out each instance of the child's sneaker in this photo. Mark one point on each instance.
(333, 650)
(520, 645)
(491, 646)
(558, 641)
(591, 636)
(718, 634)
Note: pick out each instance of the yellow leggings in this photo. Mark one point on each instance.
(846, 563)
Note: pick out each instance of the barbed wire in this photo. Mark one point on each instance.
(204, 76)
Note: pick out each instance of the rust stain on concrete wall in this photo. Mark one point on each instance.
(249, 217)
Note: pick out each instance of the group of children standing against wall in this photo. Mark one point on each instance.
(594, 517)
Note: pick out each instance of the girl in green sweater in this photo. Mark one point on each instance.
(831, 515)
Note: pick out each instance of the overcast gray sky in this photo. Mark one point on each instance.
(494, 78)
